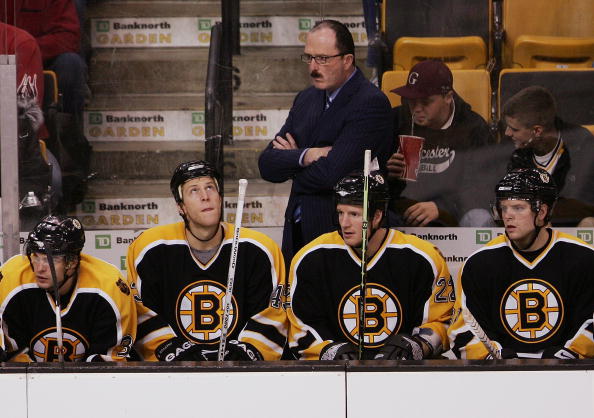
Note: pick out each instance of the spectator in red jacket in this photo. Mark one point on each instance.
(54, 25)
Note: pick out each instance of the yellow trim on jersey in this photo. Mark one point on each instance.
(552, 163)
(94, 276)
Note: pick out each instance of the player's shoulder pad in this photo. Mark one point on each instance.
(327, 240)
(166, 232)
(565, 237)
(16, 271)
(400, 238)
(95, 273)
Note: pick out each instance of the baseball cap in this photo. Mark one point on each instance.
(425, 79)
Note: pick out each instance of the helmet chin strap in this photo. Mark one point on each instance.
(187, 225)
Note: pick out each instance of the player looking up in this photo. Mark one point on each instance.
(180, 271)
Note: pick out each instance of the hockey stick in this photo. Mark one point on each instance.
(58, 310)
(231, 275)
(363, 284)
(478, 332)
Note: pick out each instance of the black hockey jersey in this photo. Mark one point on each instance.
(527, 306)
(408, 286)
(189, 295)
(98, 319)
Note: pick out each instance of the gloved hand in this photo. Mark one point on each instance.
(241, 351)
(3, 355)
(339, 351)
(401, 347)
(506, 353)
(179, 349)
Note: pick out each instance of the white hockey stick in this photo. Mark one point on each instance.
(363, 284)
(478, 332)
(58, 309)
(232, 262)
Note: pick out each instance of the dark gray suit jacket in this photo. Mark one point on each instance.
(358, 119)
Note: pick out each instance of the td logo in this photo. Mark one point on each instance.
(483, 236)
(95, 118)
(88, 206)
(102, 242)
(204, 24)
(586, 235)
(122, 262)
(304, 24)
(197, 117)
(102, 26)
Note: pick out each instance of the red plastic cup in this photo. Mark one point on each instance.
(411, 147)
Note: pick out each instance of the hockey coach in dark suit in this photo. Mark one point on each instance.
(328, 129)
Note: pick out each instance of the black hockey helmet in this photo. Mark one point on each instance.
(191, 170)
(533, 185)
(64, 234)
(349, 190)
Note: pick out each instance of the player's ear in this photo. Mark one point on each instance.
(542, 214)
(377, 218)
(180, 209)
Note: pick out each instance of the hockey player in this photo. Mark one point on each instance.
(180, 271)
(409, 293)
(530, 290)
(97, 308)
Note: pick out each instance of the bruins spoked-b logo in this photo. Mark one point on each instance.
(45, 345)
(200, 309)
(383, 314)
(531, 310)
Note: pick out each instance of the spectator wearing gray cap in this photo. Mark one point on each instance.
(443, 193)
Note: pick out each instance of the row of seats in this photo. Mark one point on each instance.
(572, 88)
(483, 33)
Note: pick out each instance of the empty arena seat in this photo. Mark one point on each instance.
(472, 85)
(573, 90)
(465, 52)
(429, 20)
(531, 51)
(531, 25)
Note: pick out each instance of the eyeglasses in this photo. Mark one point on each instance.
(319, 59)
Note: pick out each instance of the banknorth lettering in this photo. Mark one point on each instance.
(437, 237)
(455, 259)
(120, 240)
(255, 204)
(260, 117)
(134, 119)
(134, 39)
(252, 25)
(130, 131)
(129, 206)
(140, 26)
(350, 25)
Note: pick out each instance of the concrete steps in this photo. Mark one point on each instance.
(168, 81)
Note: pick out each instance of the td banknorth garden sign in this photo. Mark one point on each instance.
(195, 32)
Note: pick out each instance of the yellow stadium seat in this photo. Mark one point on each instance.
(562, 19)
(531, 51)
(459, 53)
(572, 88)
(472, 85)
